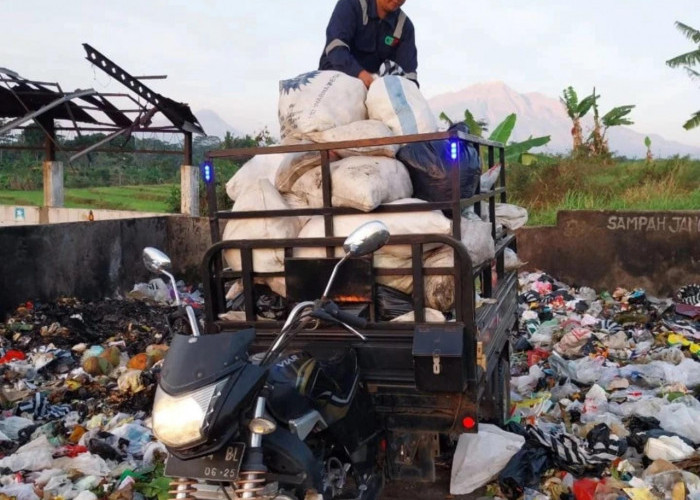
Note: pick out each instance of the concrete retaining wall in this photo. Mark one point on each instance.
(21, 215)
(92, 260)
(657, 251)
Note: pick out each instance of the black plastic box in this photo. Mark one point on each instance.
(439, 358)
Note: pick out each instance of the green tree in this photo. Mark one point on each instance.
(688, 60)
(576, 110)
(597, 142)
(476, 127)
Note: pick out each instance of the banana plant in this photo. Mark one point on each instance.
(687, 60)
(515, 150)
(576, 110)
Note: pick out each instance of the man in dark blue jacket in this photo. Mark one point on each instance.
(363, 34)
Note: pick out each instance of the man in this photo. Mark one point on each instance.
(364, 34)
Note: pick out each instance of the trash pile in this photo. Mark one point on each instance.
(604, 399)
(77, 388)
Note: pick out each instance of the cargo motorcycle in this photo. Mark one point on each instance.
(282, 424)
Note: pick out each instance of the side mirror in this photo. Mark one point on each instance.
(155, 260)
(367, 238)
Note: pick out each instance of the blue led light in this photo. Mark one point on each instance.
(207, 171)
(453, 150)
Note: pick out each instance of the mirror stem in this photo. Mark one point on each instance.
(172, 281)
(332, 278)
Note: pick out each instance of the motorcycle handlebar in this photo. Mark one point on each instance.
(336, 313)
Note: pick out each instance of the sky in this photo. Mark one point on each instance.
(228, 56)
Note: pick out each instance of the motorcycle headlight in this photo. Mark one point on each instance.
(180, 421)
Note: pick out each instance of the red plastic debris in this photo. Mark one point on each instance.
(12, 355)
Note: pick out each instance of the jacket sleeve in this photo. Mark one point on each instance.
(339, 37)
(407, 54)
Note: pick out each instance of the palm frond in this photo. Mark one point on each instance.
(691, 33)
(688, 59)
(693, 122)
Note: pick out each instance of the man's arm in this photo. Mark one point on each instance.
(339, 36)
(407, 54)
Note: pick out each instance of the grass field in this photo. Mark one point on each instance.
(562, 184)
(152, 198)
(670, 184)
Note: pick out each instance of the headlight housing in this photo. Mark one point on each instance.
(181, 421)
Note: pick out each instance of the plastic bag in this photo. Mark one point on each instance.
(681, 416)
(524, 470)
(669, 448)
(480, 457)
(429, 165)
(489, 178)
(268, 304)
(392, 303)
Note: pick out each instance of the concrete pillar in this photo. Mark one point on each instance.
(189, 190)
(53, 184)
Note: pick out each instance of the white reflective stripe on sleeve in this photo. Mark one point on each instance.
(365, 17)
(399, 25)
(335, 44)
(411, 76)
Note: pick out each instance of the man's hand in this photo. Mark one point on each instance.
(366, 78)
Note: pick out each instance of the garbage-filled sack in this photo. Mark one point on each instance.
(365, 129)
(293, 167)
(431, 316)
(398, 103)
(428, 222)
(362, 182)
(262, 196)
(258, 167)
(430, 167)
(319, 100)
(511, 216)
(480, 457)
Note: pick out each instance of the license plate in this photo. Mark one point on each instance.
(220, 466)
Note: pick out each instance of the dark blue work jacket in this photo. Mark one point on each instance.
(357, 39)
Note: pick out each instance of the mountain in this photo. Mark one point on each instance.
(540, 115)
(214, 125)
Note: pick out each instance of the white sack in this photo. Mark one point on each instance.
(439, 290)
(362, 182)
(431, 316)
(399, 104)
(511, 261)
(429, 222)
(476, 236)
(258, 167)
(263, 196)
(480, 457)
(293, 167)
(365, 129)
(511, 216)
(320, 100)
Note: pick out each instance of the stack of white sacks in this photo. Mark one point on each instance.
(329, 106)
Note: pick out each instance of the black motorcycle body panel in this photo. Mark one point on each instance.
(194, 362)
